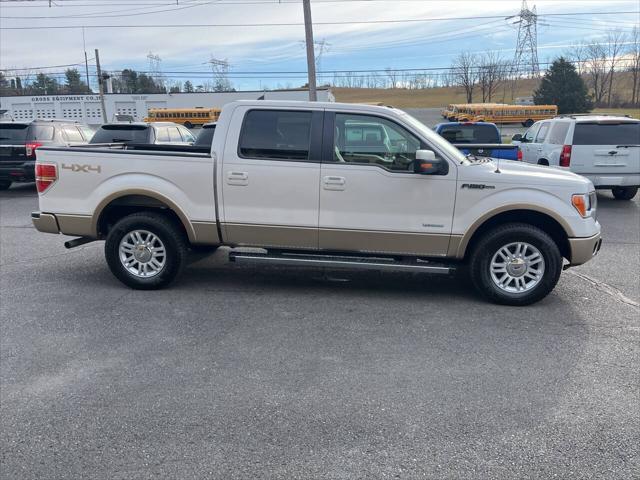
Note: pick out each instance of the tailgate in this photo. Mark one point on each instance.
(606, 147)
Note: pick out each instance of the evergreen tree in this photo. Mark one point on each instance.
(188, 87)
(562, 86)
(45, 85)
(74, 82)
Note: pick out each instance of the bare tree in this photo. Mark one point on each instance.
(578, 54)
(464, 73)
(615, 47)
(492, 70)
(633, 59)
(596, 67)
(392, 75)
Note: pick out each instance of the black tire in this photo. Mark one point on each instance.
(624, 193)
(527, 123)
(188, 125)
(5, 184)
(544, 162)
(168, 232)
(492, 241)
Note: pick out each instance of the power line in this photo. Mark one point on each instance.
(296, 24)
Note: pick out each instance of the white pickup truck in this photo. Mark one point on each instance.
(322, 184)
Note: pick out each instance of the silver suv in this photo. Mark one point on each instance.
(603, 148)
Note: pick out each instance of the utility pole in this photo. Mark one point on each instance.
(101, 87)
(86, 62)
(311, 62)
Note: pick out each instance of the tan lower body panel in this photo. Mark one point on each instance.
(271, 236)
(80, 225)
(205, 233)
(384, 242)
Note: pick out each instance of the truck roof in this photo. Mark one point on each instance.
(303, 104)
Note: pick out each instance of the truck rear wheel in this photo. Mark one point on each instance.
(146, 250)
(624, 193)
(515, 264)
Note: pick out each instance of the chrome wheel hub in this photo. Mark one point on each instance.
(517, 267)
(142, 253)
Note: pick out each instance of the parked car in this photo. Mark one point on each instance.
(158, 133)
(19, 141)
(477, 138)
(289, 178)
(605, 149)
(205, 137)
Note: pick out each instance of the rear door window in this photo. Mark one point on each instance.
(558, 133)
(162, 134)
(622, 133)
(13, 134)
(542, 133)
(72, 134)
(276, 134)
(41, 132)
(174, 134)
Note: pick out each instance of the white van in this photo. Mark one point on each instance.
(605, 149)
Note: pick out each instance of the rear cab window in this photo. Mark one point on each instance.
(475, 133)
(276, 134)
(607, 133)
(121, 134)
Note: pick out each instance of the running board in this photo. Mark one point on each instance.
(341, 261)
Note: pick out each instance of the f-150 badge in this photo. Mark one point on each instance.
(477, 186)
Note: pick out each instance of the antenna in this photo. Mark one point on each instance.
(525, 61)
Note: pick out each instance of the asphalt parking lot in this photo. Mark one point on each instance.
(237, 372)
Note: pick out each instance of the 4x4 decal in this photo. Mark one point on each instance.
(75, 167)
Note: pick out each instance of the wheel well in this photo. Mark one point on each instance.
(126, 205)
(531, 217)
(543, 161)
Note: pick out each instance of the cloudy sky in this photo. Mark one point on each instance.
(358, 34)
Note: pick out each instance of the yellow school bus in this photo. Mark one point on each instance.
(189, 117)
(465, 112)
(524, 114)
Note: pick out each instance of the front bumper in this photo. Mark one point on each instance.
(584, 249)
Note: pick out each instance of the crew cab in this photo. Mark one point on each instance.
(300, 182)
(19, 141)
(603, 148)
(477, 138)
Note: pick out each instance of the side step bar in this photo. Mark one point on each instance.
(341, 261)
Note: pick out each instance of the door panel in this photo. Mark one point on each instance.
(370, 199)
(272, 201)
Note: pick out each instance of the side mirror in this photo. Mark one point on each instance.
(427, 164)
(516, 138)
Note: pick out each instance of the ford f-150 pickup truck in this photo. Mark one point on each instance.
(322, 184)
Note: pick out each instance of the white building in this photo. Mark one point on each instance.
(87, 109)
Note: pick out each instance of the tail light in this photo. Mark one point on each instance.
(31, 148)
(46, 175)
(565, 156)
(519, 155)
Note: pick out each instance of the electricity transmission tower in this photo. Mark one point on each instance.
(155, 70)
(525, 61)
(220, 71)
(319, 47)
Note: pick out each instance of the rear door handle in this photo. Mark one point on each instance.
(334, 183)
(238, 178)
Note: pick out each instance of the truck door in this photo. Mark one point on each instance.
(529, 149)
(370, 198)
(271, 176)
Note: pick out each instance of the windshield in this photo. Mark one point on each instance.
(476, 133)
(434, 138)
(13, 134)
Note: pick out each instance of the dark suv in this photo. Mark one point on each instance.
(19, 141)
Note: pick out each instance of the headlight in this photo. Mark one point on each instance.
(584, 203)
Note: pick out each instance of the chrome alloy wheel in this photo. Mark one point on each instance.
(142, 253)
(517, 267)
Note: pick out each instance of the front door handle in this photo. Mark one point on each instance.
(334, 183)
(238, 178)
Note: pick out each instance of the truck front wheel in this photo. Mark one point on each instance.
(515, 264)
(146, 250)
